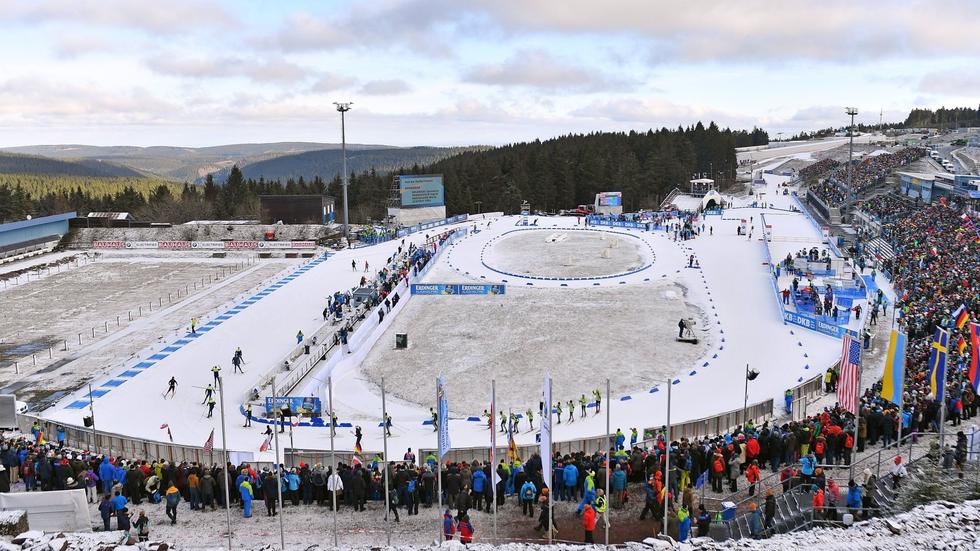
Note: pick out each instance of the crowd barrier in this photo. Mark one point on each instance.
(806, 212)
(422, 227)
(698, 428)
(207, 245)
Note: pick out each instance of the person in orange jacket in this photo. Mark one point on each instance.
(753, 474)
(588, 522)
(817, 502)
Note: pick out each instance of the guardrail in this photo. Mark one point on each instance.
(697, 428)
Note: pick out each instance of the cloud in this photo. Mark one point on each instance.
(70, 46)
(42, 101)
(413, 26)
(391, 87)
(170, 16)
(959, 82)
(753, 30)
(656, 112)
(330, 82)
(277, 70)
(540, 70)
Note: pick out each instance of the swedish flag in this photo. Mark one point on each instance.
(937, 363)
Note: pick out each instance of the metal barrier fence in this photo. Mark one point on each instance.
(697, 428)
(114, 444)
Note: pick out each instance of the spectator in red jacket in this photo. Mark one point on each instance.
(588, 522)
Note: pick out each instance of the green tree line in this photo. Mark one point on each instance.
(552, 174)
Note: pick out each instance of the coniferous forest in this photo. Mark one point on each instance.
(552, 174)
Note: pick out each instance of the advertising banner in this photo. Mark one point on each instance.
(819, 326)
(303, 405)
(241, 244)
(421, 191)
(174, 245)
(207, 244)
(108, 244)
(457, 289)
(141, 244)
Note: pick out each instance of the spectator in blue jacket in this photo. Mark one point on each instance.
(106, 473)
(854, 498)
(617, 483)
(571, 482)
(807, 465)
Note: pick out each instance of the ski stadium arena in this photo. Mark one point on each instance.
(581, 304)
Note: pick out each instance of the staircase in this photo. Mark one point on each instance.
(880, 248)
(794, 508)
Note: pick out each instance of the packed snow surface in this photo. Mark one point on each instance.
(581, 336)
(554, 253)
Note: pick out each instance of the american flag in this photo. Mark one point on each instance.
(849, 383)
(209, 445)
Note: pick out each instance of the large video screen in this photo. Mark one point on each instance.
(422, 191)
(611, 199)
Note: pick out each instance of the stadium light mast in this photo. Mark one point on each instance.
(344, 107)
(852, 111)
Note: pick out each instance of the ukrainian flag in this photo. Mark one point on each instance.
(893, 380)
(937, 363)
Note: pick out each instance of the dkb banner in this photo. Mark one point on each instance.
(456, 289)
(299, 405)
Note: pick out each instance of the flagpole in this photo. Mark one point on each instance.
(551, 498)
(333, 456)
(384, 460)
(670, 383)
(224, 447)
(605, 516)
(275, 433)
(493, 456)
(439, 420)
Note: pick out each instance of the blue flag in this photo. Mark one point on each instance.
(702, 480)
(443, 405)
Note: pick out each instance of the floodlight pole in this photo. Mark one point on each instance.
(344, 107)
(852, 111)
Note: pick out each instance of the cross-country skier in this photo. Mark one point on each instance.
(248, 415)
(207, 393)
(353, 265)
(435, 419)
(558, 410)
(193, 326)
(237, 361)
(357, 437)
(388, 425)
(582, 402)
(210, 406)
(333, 424)
(530, 419)
(571, 411)
(216, 370)
(503, 422)
(172, 388)
(598, 400)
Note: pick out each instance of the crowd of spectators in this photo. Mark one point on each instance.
(818, 169)
(889, 208)
(936, 270)
(872, 170)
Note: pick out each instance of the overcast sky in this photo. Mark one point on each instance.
(454, 72)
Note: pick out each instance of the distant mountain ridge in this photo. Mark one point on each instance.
(11, 163)
(279, 160)
(329, 163)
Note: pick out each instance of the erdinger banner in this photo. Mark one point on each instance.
(456, 289)
(212, 245)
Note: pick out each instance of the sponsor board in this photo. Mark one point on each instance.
(457, 289)
(207, 244)
(108, 244)
(819, 326)
(299, 405)
(141, 244)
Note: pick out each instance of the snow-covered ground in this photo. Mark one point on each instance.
(731, 287)
(938, 525)
(555, 253)
(131, 302)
